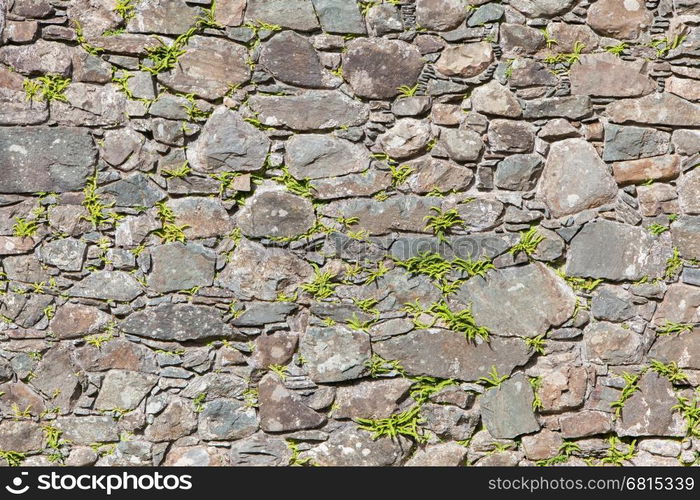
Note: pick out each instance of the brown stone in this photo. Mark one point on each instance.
(689, 192)
(563, 388)
(601, 74)
(624, 19)
(281, 410)
(544, 444)
(371, 399)
(176, 421)
(585, 423)
(76, 320)
(465, 60)
(681, 304)
(657, 168)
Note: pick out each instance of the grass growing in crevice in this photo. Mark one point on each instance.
(529, 241)
(406, 423)
(690, 411)
(493, 379)
(442, 221)
(614, 456)
(97, 210)
(566, 450)
(379, 367)
(631, 386)
(169, 232)
(322, 286)
(670, 328)
(49, 87)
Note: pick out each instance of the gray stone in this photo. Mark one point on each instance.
(107, 285)
(655, 109)
(433, 173)
(227, 419)
(383, 19)
(376, 67)
(462, 144)
(571, 107)
(575, 179)
(601, 74)
(203, 217)
(507, 409)
(181, 322)
(325, 109)
(339, 16)
(121, 144)
(584, 424)
(215, 386)
(495, 99)
(133, 191)
(685, 232)
(335, 354)
(275, 214)
(117, 354)
(39, 57)
(371, 399)
(619, 18)
(615, 251)
(408, 137)
(293, 14)
(45, 159)
(351, 447)
(683, 349)
(689, 192)
(88, 429)
(686, 142)
(511, 136)
(544, 8)
(122, 389)
(176, 421)
(481, 213)
(534, 295)
(58, 378)
(519, 172)
(440, 15)
(282, 411)
(227, 143)
(20, 436)
(411, 106)
(681, 304)
(167, 17)
(315, 156)
(74, 320)
(276, 271)
(631, 143)
(520, 39)
(399, 213)
(264, 313)
(452, 356)
(292, 59)
(180, 266)
(611, 303)
(488, 13)
(649, 410)
(611, 343)
(260, 450)
(65, 253)
(439, 455)
(208, 68)
(466, 60)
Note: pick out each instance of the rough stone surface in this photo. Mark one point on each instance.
(507, 409)
(575, 178)
(335, 354)
(177, 322)
(281, 411)
(619, 18)
(276, 213)
(600, 75)
(466, 60)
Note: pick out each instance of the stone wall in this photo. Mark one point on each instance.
(277, 232)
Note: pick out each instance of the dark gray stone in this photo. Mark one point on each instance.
(339, 16)
(315, 156)
(631, 143)
(335, 354)
(107, 285)
(507, 409)
(65, 253)
(124, 389)
(45, 159)
(293, 14)
(292, 59)
(134, 191)
(180, 266)
(519, 172)
(227, 419)
(275, 214)
(283, 411)
(181, 322)
(611, 303)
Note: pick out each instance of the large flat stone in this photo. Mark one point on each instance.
(181, 322)
(655, 109)
(335, 354)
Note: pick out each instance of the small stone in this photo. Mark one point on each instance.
(411, 106)
(177, 420)
(683, 87)
(408, 137)
(611, 343)
(439, 455)
(230, 12)
(655, 109)
(275, 214)
(292, 59)
(20, 436)
(203, 217)
(600, 75)
(575, 179)
(681, 304)
(75, 320)
(689, 192)
(611, 303)
(488, 13)
(274, 349)
(466, 60)
(66, 254)
(631, 143)
(682, 349)
(649, 410)
(452, 356)
(615, 251)
(519, 172)
(558, 129)
(376, 399)
(571, 107)
(260, 450)
(117, 354)
(122, 389)
(462, 144)
(314, 156)
(89, 429)
(168, 17)
(208, 67)
(657, 199)
(227, 419)
(228, 143)
(375, 68)
(442, 174)
(545, 444)
(335, 354)
(686, 236)
(39, 57)
(325, 109)
(179, 322)
(511, 136)
(563, 388)
(107, 285)
(293, 14)
(180, 266)
(624, 19)
(440, 15)
(658, 168)
(584, 424)
(339, 16)
(121, 144)
(133, 191)
(507, 409)
(282, 411)
(495, 99)
(45, 159)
